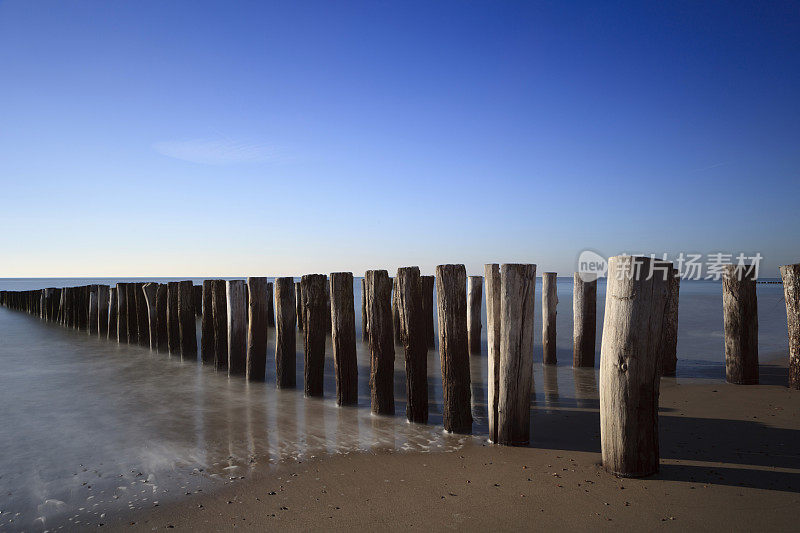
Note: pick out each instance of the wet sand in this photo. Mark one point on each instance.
(730, 460)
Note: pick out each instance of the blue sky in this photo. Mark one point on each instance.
(234, 138)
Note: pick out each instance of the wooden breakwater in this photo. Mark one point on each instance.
(236, 317)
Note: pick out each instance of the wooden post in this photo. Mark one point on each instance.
(584, 312)
(315, 316)
(298, 297)
(549, 304)
(187, 325)
(237, 326)
(122, 313)
(162, 324)
(102, 310)
(412, 327)
(207, 323)
(270, 305)
(669, 342)
(629, 366)
(93, 309)
(451, 298)
(150, 293)
(130, 302)
(493, 320)
(112, 313)
(142, 316)
(517, 297)
(343, 337)
(427, 310)
(285, 343)
(257, 329)
(364, 327)
(219, 304)
(197, 299)
(173, 319)
(381, 342)
(740, 307)
(395, 313)
(790, 274)
(474, 289)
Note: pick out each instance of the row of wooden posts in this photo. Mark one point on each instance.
(639, 336)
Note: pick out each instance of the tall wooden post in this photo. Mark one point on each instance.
(364, 326)
(493, 321)
(122, 313)
(474, 289)
(549, 304)
(315, 316)
(207, 323)
(629, 366)
(150, 293)
(102, 310)
(395, 313)
(94, 309)
(219, 304)
(237, 326)
(298, 297)
(517, 305)
(790, 274)
(142, 316)
(740, 307)
(112, 312)
(270, 304)
(327, 305)
(197, 299)
(412, 327)
(381, 341)
(162, 325)
(451, 298)
(285, 340)
(427, 310)
(173, 319)
(257, 328)
(186, 320)
(343, 337)
(669, 342)
(584, 312)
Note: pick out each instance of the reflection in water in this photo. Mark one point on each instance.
(586, 394)
(550, 384)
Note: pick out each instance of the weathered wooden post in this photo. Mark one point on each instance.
(493, 320)
(669, 342)
(584, 312)
(186, 320)
(197, 299)
(629, 366)
(549, 304)
(130, 302)
(112, 312)
(381, 341)
(790, 275)
(142, 316)
(207, 323)
(122, 313)
(270, 305)
(427, 310)
(315, 316)
(740, 307)
(343, 337)
(162, 324)
(327, 305)
(364, 330)
(237, 326)
(173, 319)
(150, 293)
(257, 324)
(93, 309)
(298, 297)
(219, 305)
(285, 343)
(395, 313)
(412, 327)
(474, 289)
(517, 305)
(102, 310)
(451, 298)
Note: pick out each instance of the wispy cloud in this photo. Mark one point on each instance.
(217, 151)
(701, 169)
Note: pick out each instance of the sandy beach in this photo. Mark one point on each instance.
(729, 461)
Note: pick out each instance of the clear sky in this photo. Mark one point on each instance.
(186, 138)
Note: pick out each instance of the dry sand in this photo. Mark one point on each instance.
(730, 461)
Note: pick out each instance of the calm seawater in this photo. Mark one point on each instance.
(91, 427)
